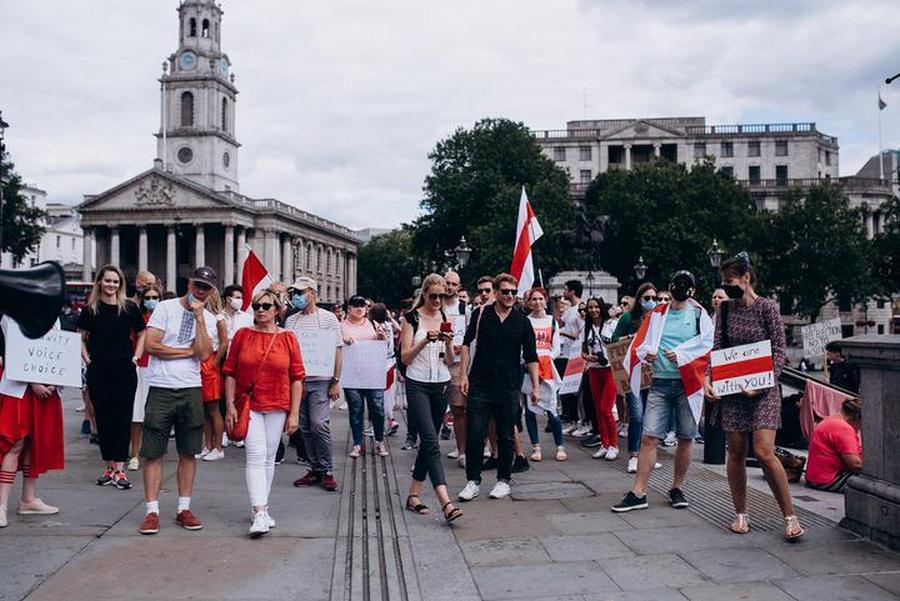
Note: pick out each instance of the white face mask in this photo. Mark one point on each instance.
(236, 303)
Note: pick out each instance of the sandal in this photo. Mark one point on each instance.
(536, 453)
(792, 529)
(741, 524)
(455, 513)
(420, 507)
(561, 454)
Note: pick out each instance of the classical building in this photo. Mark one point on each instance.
(187, 209)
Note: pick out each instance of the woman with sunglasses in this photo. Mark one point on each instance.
(148, 298)
(426, 348)
(600, 379)
(546, 337)
(265, 362)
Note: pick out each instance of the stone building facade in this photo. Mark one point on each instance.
(187, 209)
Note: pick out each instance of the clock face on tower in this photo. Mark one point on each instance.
(188, 60)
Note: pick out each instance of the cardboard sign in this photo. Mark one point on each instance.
(745, 367)
(54, 358)
(616, 352)
(317, 348)
(817, 335)
(364, 365)
(574, 371)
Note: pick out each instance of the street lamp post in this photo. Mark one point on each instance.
(640, 269)
(713, 435)
(590, 281)
(715, 255)
(462, 253)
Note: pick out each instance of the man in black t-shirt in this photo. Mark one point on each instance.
(841, 372)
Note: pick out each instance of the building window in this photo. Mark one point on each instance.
(585, 176)
(584, 153)
(699, 150)
(880, 329)
(308, 258)
(781, 148)
(73, 243)
(193, 28)
(781, 175)
(753, 175)
(225, 114)
(727, 170)
(727, 149)
(559, 154)
(753, 149)
(880, 303)
(204, 32)
(828, 157)
(616, 155)
(187, 109)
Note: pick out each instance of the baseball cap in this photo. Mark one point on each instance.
(684, 276)
(305, 283)
(357, 300)
(205, 275)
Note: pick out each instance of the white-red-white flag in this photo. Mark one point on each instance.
(254, 278)
(528, 230)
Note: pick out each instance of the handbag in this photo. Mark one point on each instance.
(239, 431)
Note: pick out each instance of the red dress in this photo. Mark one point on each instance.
(41, 421)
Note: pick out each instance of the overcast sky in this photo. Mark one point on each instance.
(341, 101)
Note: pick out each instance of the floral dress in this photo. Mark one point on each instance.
(760, 321)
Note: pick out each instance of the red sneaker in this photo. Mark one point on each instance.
(150, 525)
(328, 482)
(188, 520)
(310, 479)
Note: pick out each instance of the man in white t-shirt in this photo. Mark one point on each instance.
(179, 336)
(569, 333)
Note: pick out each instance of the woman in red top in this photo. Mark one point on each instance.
(264, 359)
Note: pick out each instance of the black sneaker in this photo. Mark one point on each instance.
(106, 479)
(445, 432)
(520, 464)
(630, 502)
(86, 427)
(392, 429)
(121, 481)
(409, 445)
(489, 464)
(591, 441)
(677, 499)
(94, 439)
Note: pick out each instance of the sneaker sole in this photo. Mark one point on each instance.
(255, 535)
(631, 508)
(35, 512)
(498, 496)
(186, 527)
(684, 505)
(465, 500)
(124, 487)
(145, 532)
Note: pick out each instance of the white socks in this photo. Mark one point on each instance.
(152, 507)
(183, 503)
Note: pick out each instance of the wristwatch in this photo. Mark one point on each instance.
(335, 381)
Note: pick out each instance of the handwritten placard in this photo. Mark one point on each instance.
(817, 335)
(364, 365)
(54, 358)
(616, 352)
(745, 367)
(317, 348)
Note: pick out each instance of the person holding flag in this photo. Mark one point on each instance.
(676, 338)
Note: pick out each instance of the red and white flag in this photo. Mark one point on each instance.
(571, 380)
(528, 230)
(692, 354)
(254, 278)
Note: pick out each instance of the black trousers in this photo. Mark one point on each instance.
(112, 389)
(483, 405)
(425, 404)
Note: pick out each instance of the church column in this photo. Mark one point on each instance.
(351, 276)
(87, 255)
(241, 249)
(269, 251)
(142, 248)
(287, 260)
(627, 157)
(171, 274)
(114, 245)
(229, 255)
(199, 245)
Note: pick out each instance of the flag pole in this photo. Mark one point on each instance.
(541, 277)
(880, 151)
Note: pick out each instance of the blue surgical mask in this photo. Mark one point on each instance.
(648, 305)
(191, 298)
(300, 301)
(150, 304)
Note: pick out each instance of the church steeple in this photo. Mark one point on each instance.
(196, 137)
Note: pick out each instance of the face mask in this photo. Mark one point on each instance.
(150, 304)
(648, 305)
(191, 299)
(236, 303)
(680, 293)
(734, 292)
(300, 301)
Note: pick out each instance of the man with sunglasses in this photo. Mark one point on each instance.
(504, 337)
(485, 290)
(179, 337)
(456, 311)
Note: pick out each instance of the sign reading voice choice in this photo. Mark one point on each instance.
(745, 367)
(54, 358)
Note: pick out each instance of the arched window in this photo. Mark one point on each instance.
(224, 114)
(187, 109)
(192, 28)
(204, 32)
(309, 257)
(319, 254)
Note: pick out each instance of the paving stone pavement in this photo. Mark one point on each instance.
(554, 539)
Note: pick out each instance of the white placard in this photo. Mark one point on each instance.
(817, 335)
(364, 365)
(318, 348)
(54, 358)
(745, 367)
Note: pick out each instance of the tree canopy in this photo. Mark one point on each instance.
(23, 224)
(387, 266)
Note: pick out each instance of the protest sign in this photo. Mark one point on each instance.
(817, 335)
(615, 353)
(317, 348)
(364, 365)
(745, 367)
(54, 358)
(574, 370)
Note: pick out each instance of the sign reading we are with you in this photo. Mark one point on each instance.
(745, 367)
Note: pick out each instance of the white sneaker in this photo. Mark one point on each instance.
(134, 464)
(601, 453)
(381, 449)
(487, 452)
(269, 520)
(239, 444)
(225, 441)
(500, 490)
(469, 492)
(670, 440)
(581, 432)
(202, 453)
(80, 408)
(461, 461)
(632, 465)
(356, 451)
(260, 525)
(657, 465)
(569, 428)
(612, 453)
(4, 522)
(214, 455)
(454, 454)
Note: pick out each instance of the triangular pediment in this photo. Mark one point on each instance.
(642, 128)
(155, 190)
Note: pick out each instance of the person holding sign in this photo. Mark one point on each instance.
(106, 324)
(746, 318)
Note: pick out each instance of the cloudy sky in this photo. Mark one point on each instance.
(341, 101)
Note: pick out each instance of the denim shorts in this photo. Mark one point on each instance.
(664, 395)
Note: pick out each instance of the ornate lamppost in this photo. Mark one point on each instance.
(640, 269)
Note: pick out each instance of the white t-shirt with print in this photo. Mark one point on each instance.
(573, 324)
(179, 330)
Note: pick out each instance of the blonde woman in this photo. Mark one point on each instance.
(211, 379)
(107, 324)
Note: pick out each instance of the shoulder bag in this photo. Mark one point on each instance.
(242, 423)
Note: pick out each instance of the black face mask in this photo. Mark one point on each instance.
(734, 292)
(680, 293)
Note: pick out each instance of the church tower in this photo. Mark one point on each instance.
(196, 137)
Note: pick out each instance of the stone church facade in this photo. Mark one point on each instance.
(187, 209)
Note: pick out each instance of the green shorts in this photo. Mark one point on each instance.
(168, 407)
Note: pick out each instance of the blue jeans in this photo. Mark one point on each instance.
(666, 395)
(635, 419)
(374, 398)
(531, 424)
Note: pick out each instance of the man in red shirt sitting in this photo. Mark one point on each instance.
(835, 450)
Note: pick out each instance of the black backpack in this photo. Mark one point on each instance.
(412, 318)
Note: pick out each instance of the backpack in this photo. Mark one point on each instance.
(412, 318)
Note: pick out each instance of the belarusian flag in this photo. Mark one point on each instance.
(254, 278)
(528, 230)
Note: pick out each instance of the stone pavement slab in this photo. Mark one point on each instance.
(738, 565)
(836, 558)
(653, 571)
(587, 523)
(548, 580)
(834, 588)
(26, 561)
(654, 594)
(757, 591)
(648, 541)
(504, 551)
(585, 547)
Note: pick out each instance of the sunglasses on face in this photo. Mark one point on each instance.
(433, 296)
(507, 291)
(262, 306)
(146, 298)
(203, 287)
(648, 297)
(485, 290)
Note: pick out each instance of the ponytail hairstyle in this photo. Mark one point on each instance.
(738, 266)
(430, 281)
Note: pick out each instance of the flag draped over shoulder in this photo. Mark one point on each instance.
(692, 355)
(528, 230)
(254, 278)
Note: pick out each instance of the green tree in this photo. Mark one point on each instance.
(22, 223)
(886, 249)
(815, 250)
(473, 190)
(669, 215)
(387, 266)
